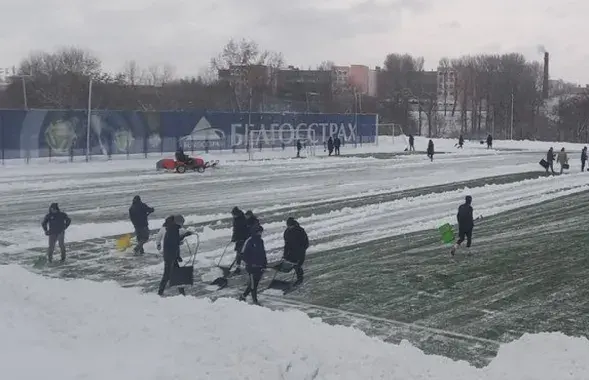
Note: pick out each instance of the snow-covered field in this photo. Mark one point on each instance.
(367, 194)
(53, 329)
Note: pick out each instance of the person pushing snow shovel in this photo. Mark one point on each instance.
(465, 225)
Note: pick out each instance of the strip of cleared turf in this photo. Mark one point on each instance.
(529, 272)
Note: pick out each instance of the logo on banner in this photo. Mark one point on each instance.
(202, 134)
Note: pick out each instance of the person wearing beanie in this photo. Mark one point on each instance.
(254, 255)
(465, 224)
(138, 213)
(239, 235)
(162, 232)
(251, 219)
(54, 224)
(172, 240)
(296, 243)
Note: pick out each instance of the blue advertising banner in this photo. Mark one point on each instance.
(41, 133)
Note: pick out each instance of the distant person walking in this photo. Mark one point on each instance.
(337, 143)
(563, 160)
(550, 160)
(411, 143)
(461, 142)
(583, 159)
(330, 146)
(54, 224)
(489, 141)
(430, 150)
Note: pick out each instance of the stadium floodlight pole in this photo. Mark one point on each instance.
(24, 88)
(511, 126)
(88, 122)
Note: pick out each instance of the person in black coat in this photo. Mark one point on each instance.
(172, 241)
(296, 243)
(461, 142)
(299, 147)
(465, 224)
(54, 224)
(239, 235)
(411, 143)
(138, 213)
(251, 220)
(430, 150)
(330, 146)
(550, 160)
(337, 143)
(583, 158)
(254, 255)
(489, 141)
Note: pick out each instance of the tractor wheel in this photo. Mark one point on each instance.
(181, 169)
(200, 169)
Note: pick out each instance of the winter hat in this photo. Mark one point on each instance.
(179, 220)
(468, 199)
(54, 206)
(169, 220)
(249, 213)
(257, 229)
(136, 199)
(291, 222)
(235, 210)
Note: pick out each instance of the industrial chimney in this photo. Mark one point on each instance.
(545, 83)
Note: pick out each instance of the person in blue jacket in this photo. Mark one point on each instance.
(254, 255)
(172, 241)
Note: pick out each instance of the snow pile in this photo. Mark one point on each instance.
(79, 329)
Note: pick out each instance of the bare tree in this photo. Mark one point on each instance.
(133, 74)
(250, 70)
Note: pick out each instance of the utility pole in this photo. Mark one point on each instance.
(88, 121)
(511, 126)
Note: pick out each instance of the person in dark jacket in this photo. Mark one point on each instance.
(337, 143)
(138, 213)
(411, 143)
(461, 142)
(583, 158)
(296, 243)
(172, 241)
(550, 160)
(299, 147)
(251, 220)
(465, 224)
(430, 150)
(239, 235)
(54, 224)
(489, 141)
(254, 255)
(330, 146)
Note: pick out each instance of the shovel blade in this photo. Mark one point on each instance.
(280, 285)
(221, 282)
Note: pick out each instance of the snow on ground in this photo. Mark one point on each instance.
(76, 322)
(80, 329)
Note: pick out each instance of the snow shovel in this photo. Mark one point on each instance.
(282, 267)
(222, 281)
(184, 275)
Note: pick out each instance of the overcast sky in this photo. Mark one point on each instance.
(187, 33)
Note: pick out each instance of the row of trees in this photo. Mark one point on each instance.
(499, 94)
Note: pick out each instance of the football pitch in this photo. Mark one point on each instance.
(376, 261)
